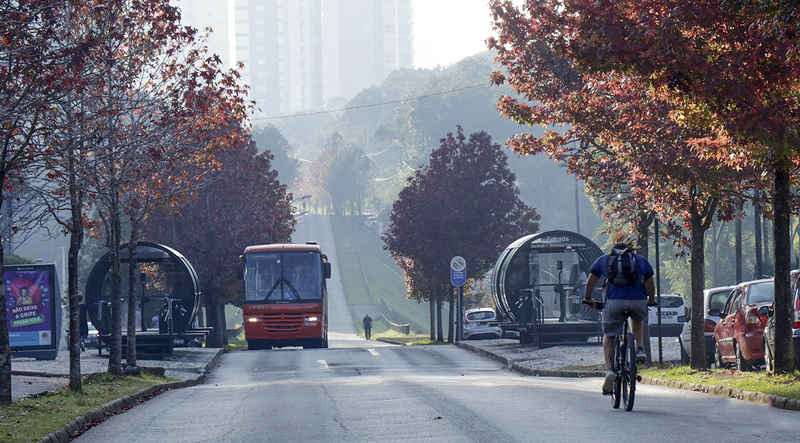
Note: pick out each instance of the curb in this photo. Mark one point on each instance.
(771, 400)
(485, 353)
(117, 406)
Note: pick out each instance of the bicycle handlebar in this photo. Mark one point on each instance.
(600, 305)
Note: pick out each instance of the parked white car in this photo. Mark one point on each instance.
(476, 324)
(674, 313)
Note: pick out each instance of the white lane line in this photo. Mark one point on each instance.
(373, 352)
(322, 364)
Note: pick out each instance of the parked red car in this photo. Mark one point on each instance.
(739, 335)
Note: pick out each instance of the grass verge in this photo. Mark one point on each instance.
(783, 385)
(236, 342)
(31, 419)
(369, 273)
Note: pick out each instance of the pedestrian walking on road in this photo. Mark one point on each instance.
(367, 326)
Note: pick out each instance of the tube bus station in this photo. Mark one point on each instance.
(536, 286)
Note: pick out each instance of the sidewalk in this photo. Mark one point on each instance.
(31, 376)
(586, 361)
(558, 361)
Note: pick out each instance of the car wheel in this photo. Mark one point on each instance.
(769, 361)
(718, 357)
(685, 359)
(740, 363)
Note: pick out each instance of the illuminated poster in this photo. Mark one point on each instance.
(31, 298)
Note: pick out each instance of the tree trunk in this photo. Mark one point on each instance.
(432, 309)
(451, 316)
(643, 236)
(439, 332)
(698, 351)
(759, 270)
(214, 320)
(133, 245)
(738, 247)
(115, 276)
(73, 291)
(781, 195)
(5, 349)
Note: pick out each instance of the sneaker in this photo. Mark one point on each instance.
(608, 383)
(641, 356)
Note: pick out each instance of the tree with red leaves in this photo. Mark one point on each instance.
(463, 202)
(38, 70)
(240, 204)
(621, 139)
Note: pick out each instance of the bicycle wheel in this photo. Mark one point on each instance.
(615, 391)
(629, 375)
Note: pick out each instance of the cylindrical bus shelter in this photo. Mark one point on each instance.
(165, 278)
(541, 270)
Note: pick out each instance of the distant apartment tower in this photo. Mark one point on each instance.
(297, 54)
(364, 41)
(280, 44)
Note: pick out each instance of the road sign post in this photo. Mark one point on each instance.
(458, 276)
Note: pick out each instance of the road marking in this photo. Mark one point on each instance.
(322, 364)
(373, 352)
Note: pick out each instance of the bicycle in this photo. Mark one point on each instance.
(625, 370)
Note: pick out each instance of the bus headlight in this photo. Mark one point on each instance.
(311, 321)
(253, 319)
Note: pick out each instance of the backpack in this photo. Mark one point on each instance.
(622, 269)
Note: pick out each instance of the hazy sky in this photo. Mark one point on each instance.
(445, 31)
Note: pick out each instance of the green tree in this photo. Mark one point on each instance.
(269, 138)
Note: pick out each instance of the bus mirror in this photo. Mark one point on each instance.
(327, 270)
(559, 265)
(240, 270)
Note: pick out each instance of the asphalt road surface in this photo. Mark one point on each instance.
(423, 393)
(367, 391)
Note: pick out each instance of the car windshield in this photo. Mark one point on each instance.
(761, 292)
(480, 315)
(671, 301)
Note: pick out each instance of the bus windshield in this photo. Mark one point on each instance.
(283, 276)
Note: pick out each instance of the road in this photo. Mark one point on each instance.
(369, 391)
(422, 393)
(341, 329)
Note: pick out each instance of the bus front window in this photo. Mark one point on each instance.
(283, 276)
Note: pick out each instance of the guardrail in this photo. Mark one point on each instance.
(403, 329)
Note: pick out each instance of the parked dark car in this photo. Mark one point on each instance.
(713, 298)
(769, 331)
(739, 335)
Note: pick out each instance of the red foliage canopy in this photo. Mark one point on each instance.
(464, 202)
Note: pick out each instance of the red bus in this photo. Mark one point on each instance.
(285, 298)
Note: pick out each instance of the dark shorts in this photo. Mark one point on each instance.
(612, 314)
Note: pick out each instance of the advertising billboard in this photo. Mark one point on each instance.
(33, 310)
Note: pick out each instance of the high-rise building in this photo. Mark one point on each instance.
(297, 54)
(364, 41)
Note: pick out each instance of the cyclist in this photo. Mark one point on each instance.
(635, 297)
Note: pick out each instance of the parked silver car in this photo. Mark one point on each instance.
(476, 324)
(713, 298)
